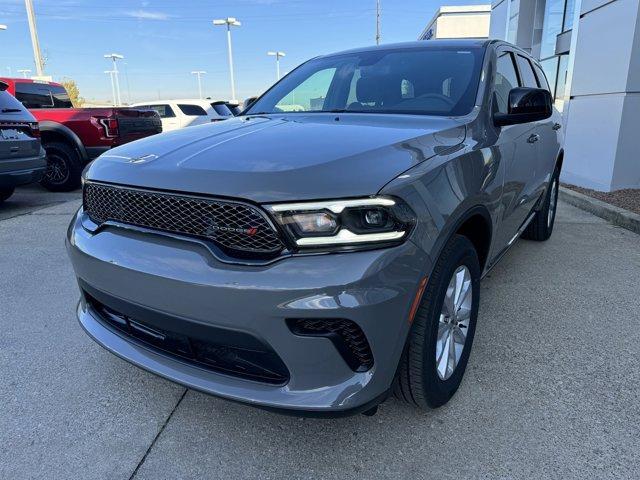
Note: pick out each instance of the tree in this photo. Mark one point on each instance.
(74, 93)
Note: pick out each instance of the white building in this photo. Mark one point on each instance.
(470, 21)
(590, 51)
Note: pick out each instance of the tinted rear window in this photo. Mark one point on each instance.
(192, 110)
(221, 109)
(165, 111)
(42, 95)
(9, 103)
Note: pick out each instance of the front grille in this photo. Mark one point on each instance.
(346, 335)
(234, 226)
(232, 353)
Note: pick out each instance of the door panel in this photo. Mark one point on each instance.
(518, 146)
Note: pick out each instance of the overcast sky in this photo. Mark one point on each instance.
(164, 40)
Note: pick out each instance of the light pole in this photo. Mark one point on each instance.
(377, 22)
(114, 79)
(3, 27)
(24, 72)
(35, 43)
(277, 55)
(199, 74)
(113, 86)
(229, 22)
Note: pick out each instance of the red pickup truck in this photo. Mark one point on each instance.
(72, 137)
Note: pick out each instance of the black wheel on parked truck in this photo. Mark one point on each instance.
(5, 193)
(64, 167)
(441, 336)
(541, 227)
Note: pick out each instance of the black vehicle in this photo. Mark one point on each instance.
(22, 158)
(234, 107)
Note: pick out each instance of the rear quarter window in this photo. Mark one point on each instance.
(42, 95)
(192, 110)
(526, 72)
(165, 111)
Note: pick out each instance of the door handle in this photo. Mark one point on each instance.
(533, 138)
(556, 126)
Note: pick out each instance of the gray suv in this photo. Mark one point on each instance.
(22, 158)
(325, 248)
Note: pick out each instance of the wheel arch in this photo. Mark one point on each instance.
(53, 131)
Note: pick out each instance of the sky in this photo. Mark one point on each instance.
(164, 40)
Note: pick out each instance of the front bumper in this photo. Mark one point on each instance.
(183, 280)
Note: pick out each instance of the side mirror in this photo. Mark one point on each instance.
(525, 105)
(248, 102)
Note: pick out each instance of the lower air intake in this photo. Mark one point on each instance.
(346, 335)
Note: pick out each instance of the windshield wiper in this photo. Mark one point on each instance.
(11, 110)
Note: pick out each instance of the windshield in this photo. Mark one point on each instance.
(426, 81)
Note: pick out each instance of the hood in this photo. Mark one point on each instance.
(281, 158)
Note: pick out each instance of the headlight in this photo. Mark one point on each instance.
(357, 222)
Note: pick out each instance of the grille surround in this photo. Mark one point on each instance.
(239, 229)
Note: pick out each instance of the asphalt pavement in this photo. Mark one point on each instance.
(552, 389)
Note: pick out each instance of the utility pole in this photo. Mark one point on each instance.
(199, 74)
(229, 22)
(37, 56)
(114, 57)
(377, 22)
(277, 55)
(24, 72)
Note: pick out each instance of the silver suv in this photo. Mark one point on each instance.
(325, 248)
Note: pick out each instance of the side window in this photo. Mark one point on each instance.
(526, 72)
(164, 111)
(542, 79)
(506, 79)
(192, 110)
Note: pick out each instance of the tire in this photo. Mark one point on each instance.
(418, 381)
(541, 227)
(64, 168)
(5, 193)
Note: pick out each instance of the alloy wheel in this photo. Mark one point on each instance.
(453, 324)
(553, 200)
(57, 169)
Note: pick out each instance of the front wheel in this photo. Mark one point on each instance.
(441, 336)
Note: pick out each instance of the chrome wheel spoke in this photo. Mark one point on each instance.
(453, 322)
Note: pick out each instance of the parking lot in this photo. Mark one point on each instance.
(551, 390)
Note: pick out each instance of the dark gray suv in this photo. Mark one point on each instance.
(22, 158)
(325, 248)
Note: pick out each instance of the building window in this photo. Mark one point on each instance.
(552, 26)
(568, 15)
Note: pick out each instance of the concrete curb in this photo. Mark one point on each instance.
(616, 215)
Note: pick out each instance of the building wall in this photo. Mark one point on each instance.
(472, 25)
(603, 118)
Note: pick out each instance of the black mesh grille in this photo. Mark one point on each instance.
(235, 226)
(346, 335)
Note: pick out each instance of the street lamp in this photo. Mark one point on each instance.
(3, 27)
(199, 74)
(113, 86)
(229, 22)
(114, 79)
(24, 72)
(277, 55)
